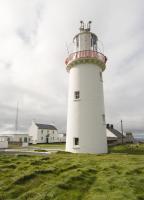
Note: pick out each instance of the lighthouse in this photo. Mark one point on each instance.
(86, 127)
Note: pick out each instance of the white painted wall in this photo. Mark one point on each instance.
(19, 138)
(22, 138)
(85, 41)
(33, 133)
(62, 137)
(3, 145)
(85, 119)
(3, 142)
(42, 134)
(109, 134)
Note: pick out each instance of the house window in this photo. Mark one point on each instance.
(76, 141)
(76, 94)
(53, 132)
(41, 138)
(101, 78)
(42, 131)
(47, 131)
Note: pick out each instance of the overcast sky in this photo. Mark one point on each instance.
(33, 39)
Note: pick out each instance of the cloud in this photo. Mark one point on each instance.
(33, 35)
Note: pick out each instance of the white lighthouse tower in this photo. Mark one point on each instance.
(86, 129)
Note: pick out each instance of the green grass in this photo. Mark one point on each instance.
(66, 176)
(49, 146)
(128, 148)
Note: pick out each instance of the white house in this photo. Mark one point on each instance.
(43, 133)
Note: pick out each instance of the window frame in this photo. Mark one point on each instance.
(76, 95)
(76, 141)
(103, 119)
(25, 139)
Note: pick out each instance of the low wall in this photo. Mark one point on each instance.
(3, 144)
(25, 144)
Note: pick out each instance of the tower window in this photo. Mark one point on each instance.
(76, 141)
(103, 118)
(76, 95)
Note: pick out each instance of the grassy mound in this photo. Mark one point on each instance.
(66, 176)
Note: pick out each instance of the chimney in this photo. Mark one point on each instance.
(111, 126)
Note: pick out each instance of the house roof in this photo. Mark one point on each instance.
(110, 134)
(115, 132)
(46, 126)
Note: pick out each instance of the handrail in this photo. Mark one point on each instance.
(85, 54)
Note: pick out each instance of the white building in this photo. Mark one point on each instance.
(86, 129)
(115, 137)
(21, 139)
(62, 137)
(3, 142)
(43, 133)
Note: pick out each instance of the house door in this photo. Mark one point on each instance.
(47, 140)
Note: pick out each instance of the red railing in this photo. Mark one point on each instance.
(85, 54)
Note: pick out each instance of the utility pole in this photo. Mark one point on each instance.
(122, 130)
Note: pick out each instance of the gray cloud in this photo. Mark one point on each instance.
(32, 53)
(29, 31)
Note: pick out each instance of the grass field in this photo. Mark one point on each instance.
(66, 176)
(49, 146)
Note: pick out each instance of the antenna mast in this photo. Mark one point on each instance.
(67, 48)
(122, 130)
(16, 121)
